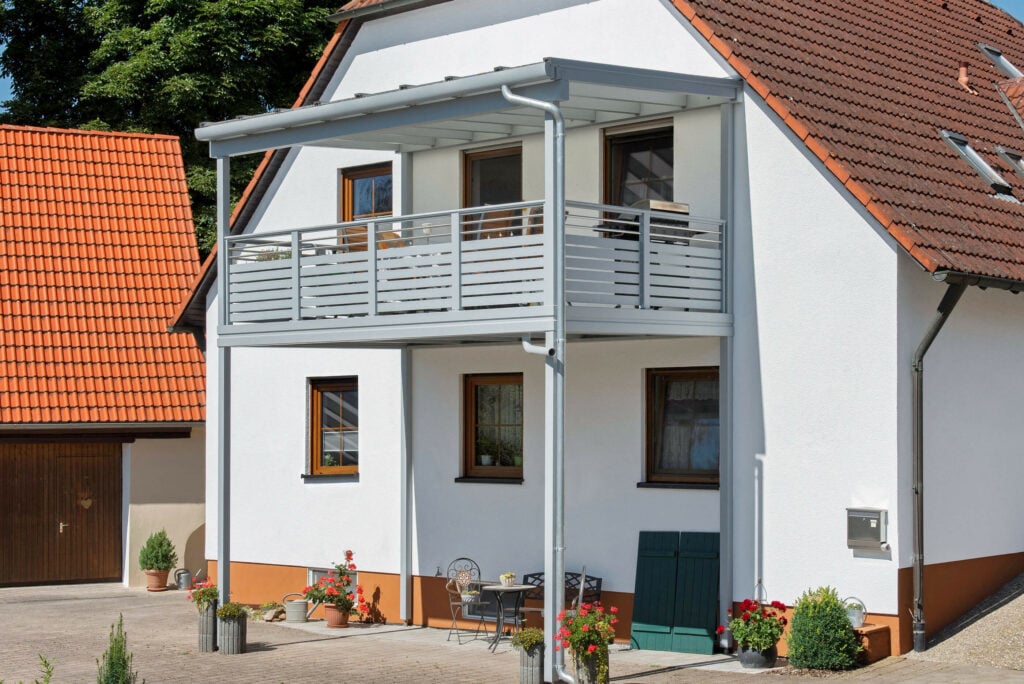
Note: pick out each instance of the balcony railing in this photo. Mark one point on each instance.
(476, 259)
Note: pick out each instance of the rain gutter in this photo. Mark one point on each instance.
(555, 372)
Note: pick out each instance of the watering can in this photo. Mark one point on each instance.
(183, 578)
(296, 610)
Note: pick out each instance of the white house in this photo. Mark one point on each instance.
(763, 206)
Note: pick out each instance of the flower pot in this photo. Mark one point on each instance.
(531, 665)
(469, 598)
(156, 580)
(232, 635)
(752, 658)
(593, 668)
(507, 581)
(208, 628)
(336, 617)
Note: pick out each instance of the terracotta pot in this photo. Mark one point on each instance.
(156, 580)
(335, 616)
(757, 659)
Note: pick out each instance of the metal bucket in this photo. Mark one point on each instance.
(296, 610)
(183, 578)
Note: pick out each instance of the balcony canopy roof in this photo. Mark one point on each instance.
(471, 109)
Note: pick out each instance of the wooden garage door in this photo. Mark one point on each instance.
(60, 513)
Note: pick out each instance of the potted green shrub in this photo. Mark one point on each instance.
(232, 619)
(530, 642)
(156, 558)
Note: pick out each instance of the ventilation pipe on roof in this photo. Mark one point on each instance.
(946, 306)
(964, 80)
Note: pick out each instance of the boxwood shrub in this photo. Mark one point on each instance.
(820, 636)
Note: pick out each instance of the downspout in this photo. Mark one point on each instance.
(405, 479)
(946, 306)
(556, 371)
(223, 385)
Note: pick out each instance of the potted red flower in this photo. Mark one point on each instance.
(335, 592)
(586, 633)
(757, 629)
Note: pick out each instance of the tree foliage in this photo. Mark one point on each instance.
(160, 66)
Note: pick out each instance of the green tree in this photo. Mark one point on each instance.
(165, 66)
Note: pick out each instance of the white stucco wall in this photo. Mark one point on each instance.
(974, 435)
(279, 518)
(164, 487)
(501, 526)
(816, 374)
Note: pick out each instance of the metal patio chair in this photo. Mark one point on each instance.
(463, 576)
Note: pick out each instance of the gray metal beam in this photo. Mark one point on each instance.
(380, 122)
(223, 387)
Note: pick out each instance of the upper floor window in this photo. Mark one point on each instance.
(365, 192)
(977, 162)
(493, 421)
(682, 425)
(638, 166)
(997, 57)
(334, 426)
(492, 177)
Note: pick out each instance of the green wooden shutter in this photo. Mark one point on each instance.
(675, 601)
(696, 615)
(654, 592)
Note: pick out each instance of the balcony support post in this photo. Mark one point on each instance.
(645, 260)
(223, 383)
(296, 277)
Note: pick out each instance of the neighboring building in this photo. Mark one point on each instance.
(101, 408)
(796, 176)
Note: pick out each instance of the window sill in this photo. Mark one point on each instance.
(491, 480)
(677, 485)
(347, 477)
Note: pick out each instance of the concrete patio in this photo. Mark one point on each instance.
(70, 625)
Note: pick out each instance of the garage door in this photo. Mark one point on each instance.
(60, 513)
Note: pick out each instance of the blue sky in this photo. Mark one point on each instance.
(1014, 7)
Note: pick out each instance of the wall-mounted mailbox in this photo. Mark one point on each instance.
(866, 528)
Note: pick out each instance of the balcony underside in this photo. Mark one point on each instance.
(496, 326)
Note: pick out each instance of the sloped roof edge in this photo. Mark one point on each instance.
(191, 314)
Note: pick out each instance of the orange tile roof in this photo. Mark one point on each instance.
(867, 86)
(98, 249)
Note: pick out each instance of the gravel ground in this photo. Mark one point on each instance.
(992, 634)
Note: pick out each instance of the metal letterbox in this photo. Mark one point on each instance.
(866, 528)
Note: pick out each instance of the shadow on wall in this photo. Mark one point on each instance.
(193, 557)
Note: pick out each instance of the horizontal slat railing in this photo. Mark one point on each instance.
(470, 260)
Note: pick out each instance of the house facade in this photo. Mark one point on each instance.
(694, 313)
(101, 418)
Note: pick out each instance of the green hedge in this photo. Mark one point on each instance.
(820, 636)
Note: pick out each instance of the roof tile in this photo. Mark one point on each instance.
(870, 85)
(82, 212)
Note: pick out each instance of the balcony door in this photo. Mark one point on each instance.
(638, 166)
(492, 177)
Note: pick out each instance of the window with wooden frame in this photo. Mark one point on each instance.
(493, 419)
(638, 166)
(682, 425)
(365, 192)
(334, 426)
(492, 177)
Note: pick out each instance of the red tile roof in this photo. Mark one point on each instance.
(98, 249)
(867, 86)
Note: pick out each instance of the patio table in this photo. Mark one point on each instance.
(500, 590)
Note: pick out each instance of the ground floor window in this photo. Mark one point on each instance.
(493, 421)
(682, 425)
(334, 426)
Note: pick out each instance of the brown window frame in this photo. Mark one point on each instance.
(614, 136)
(650, 418)
(317, 386)
(469, 467)
(345, 179)
(470, 156)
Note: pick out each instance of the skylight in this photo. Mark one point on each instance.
(971, 156)
(1003, 64)
(1012, 157)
